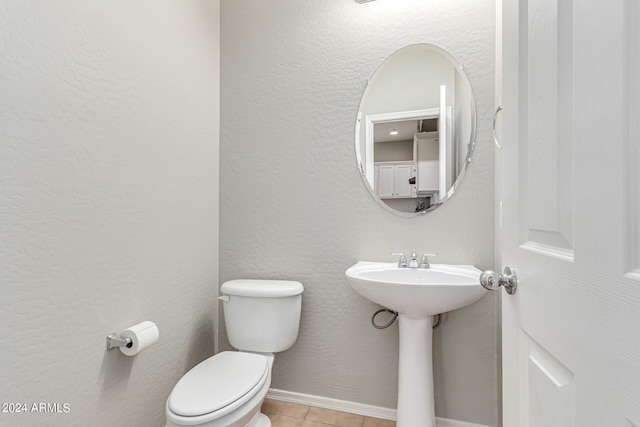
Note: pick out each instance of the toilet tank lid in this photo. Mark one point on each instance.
(262, 288)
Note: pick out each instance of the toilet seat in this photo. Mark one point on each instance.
(219, 384)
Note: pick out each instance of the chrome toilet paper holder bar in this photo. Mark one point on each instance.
(114, 341)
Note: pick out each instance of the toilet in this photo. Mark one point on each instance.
(227, 390)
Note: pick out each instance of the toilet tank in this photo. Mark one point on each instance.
(262, 315)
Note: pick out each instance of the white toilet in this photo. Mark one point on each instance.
(262, 317)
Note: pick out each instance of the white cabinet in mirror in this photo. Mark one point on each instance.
(415, 130)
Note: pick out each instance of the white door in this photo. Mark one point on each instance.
(570, 219)
(386, 181)
(403, 174)
(428, 159)
(442, 137)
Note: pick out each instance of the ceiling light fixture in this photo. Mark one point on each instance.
(393, 131)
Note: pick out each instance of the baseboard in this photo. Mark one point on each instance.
(445, 422)
(335, 404)
(353, 407)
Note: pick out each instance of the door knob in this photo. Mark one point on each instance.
(491, 281)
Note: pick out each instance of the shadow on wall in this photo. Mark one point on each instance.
(114, 374)
(201, 344)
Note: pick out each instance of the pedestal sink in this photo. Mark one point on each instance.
(416, 294)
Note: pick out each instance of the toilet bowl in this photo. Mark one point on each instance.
(227, 390)
(222, 391)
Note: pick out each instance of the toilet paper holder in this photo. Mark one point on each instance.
(114, 341)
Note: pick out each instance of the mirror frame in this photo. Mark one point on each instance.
(470, 144)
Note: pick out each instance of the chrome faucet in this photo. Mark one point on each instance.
(402, 262)
(413, 262)
(424, 262)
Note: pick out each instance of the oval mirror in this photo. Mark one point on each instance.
(415, 129)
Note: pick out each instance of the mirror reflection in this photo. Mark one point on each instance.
(415, 129)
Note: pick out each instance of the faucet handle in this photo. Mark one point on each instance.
(402, 262)
(424, 262)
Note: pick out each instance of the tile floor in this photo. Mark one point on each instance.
(285, 414)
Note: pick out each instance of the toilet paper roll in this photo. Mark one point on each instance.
(142, 336)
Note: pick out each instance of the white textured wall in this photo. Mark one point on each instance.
(293, 205)
(108, 202)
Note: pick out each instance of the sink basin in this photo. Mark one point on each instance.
(416, 292)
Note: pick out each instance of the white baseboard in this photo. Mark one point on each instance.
(445, 422)
(335, 404)
(353, 407)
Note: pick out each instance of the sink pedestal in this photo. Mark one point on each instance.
(416, 294)
(415, 373)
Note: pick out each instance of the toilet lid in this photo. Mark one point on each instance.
(217, 382)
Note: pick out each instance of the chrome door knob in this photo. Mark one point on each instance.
(490, 280)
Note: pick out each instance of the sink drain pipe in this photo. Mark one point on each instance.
(395, 316)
